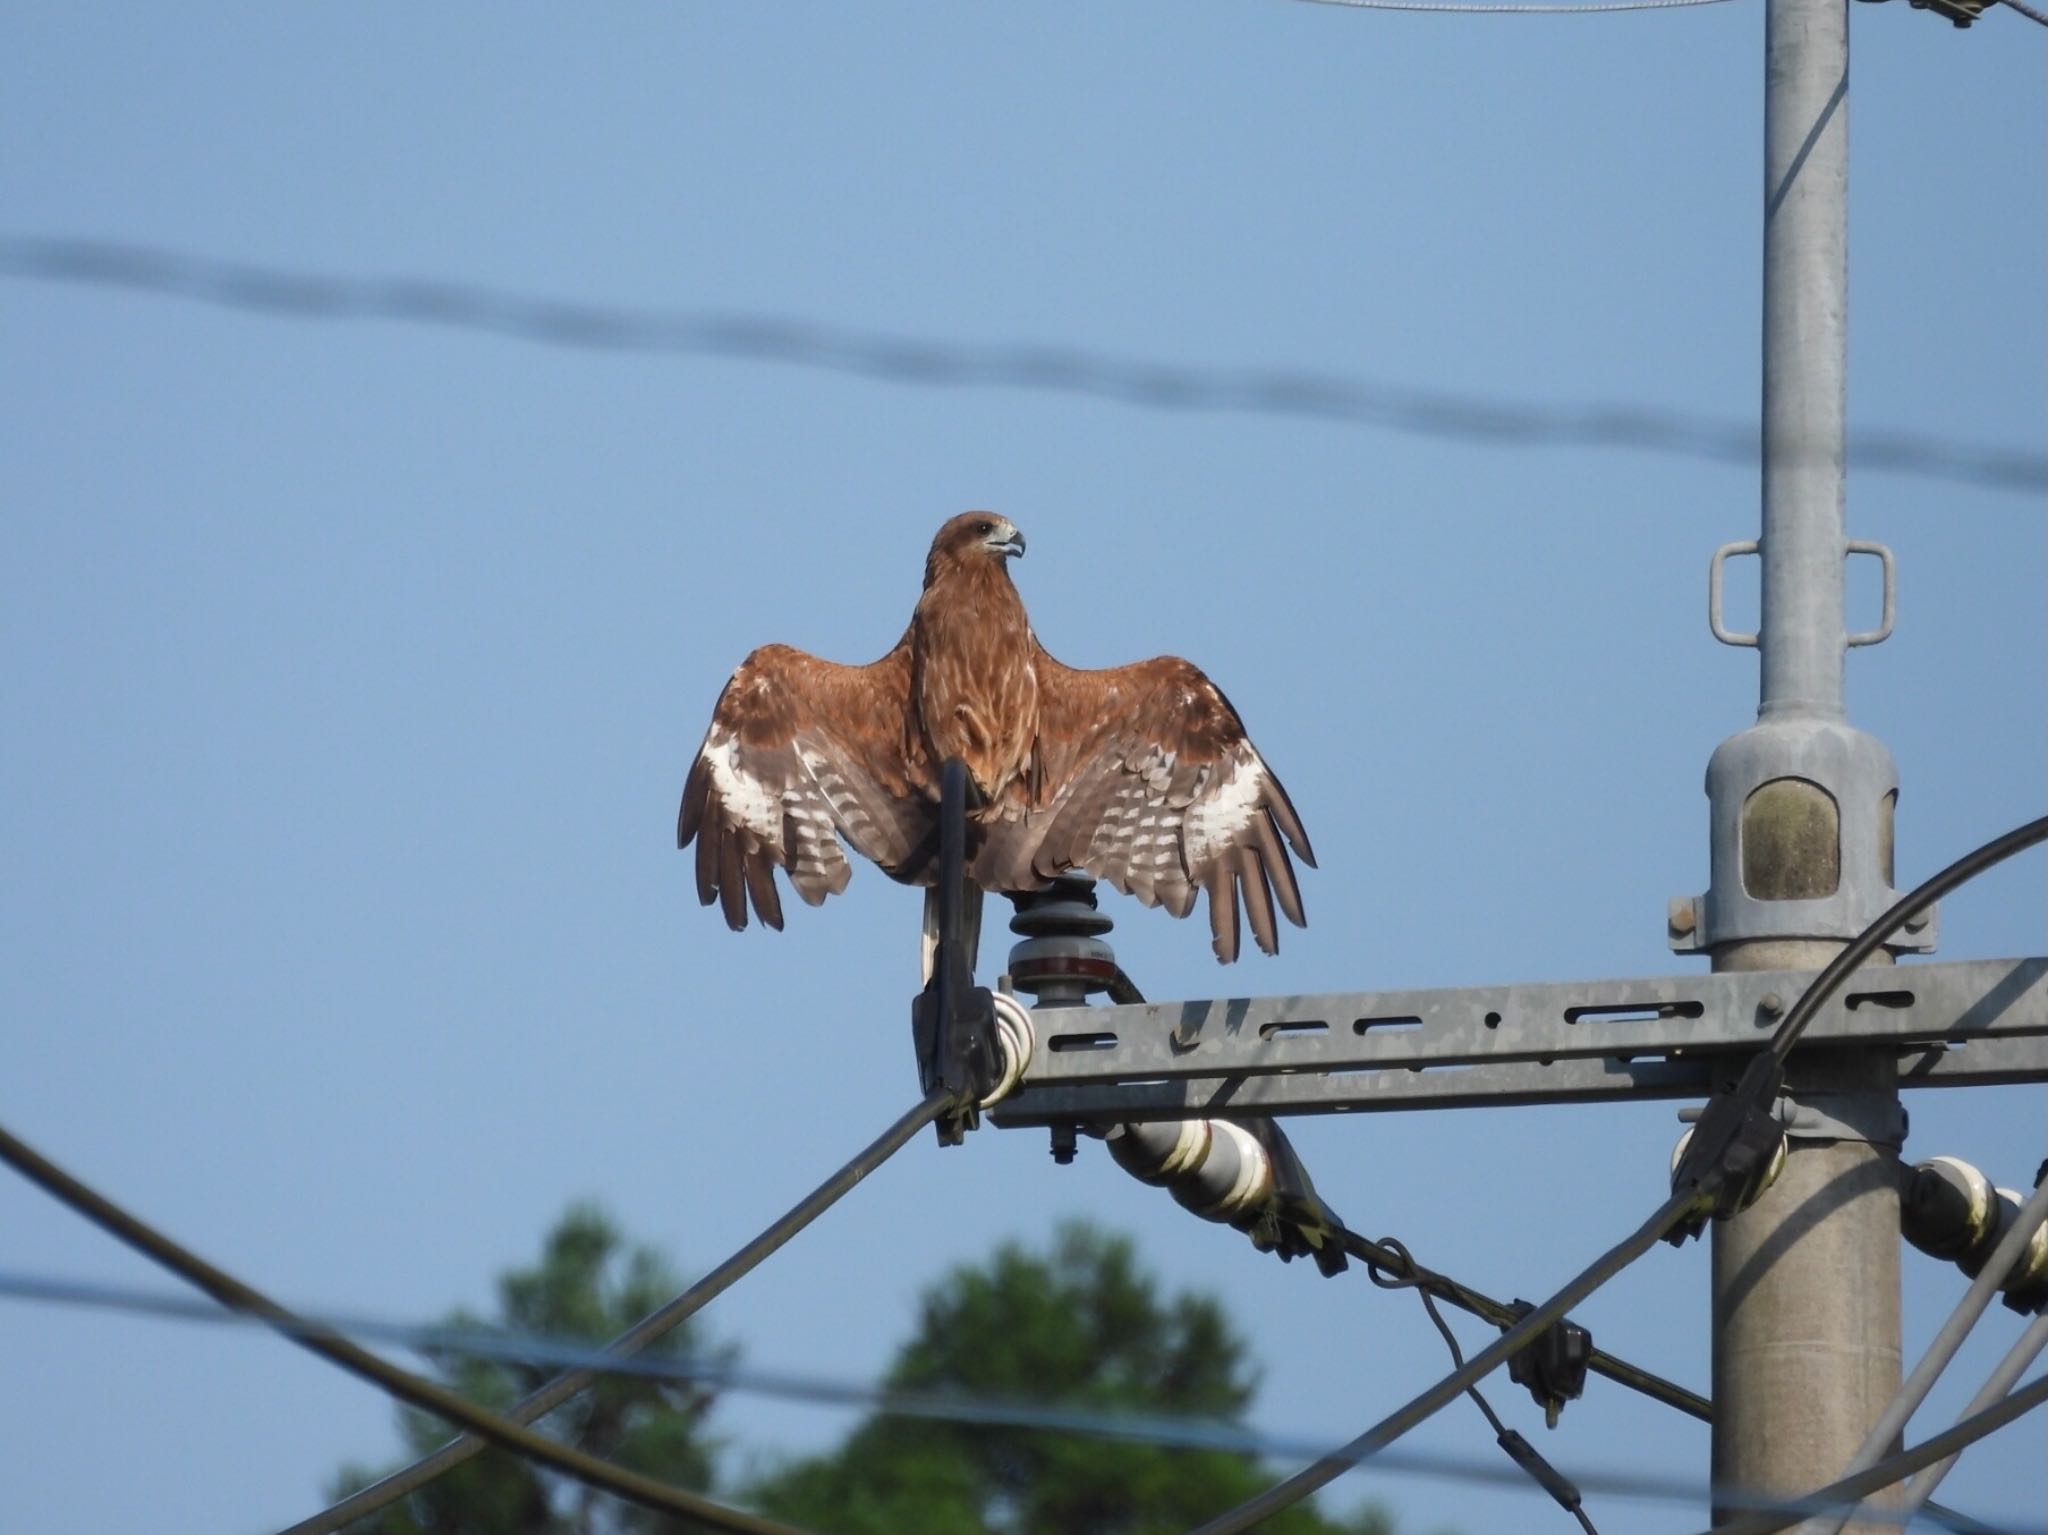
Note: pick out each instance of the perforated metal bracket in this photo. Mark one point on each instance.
(1977, 1021)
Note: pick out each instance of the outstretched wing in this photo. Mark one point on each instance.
(800, 749)
(1143, 776)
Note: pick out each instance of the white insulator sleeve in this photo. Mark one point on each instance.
(1950, 1209)
(1234, 1178)
(2030, 1268)
(1014, 1042)
(1160, 1151)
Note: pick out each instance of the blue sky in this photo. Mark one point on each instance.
(354, 666)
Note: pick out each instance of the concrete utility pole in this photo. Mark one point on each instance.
(1806, 1282)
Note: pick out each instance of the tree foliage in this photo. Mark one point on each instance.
(589, 1286)
(1079, 1324)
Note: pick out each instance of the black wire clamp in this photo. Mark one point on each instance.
(953, 1021)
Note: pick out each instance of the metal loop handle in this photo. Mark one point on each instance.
(1883, 631)
(1875, 636)
(1721, 630)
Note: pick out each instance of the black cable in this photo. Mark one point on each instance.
(1524, 1454)
(402, 1384)
(934, 364)
(1384, 1257)
(1737, 1135)
(1518, 1337)
(2037, 17)
(654, 1325)
(1391, 1257)
(720, 1374)
(1915, 901)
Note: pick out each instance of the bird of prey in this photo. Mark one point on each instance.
(1140, 775)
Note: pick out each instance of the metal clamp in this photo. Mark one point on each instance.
(953, 1021)
(1883, 631)
(1721, 630)
(1873, 1118)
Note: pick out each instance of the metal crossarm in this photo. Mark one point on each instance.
(1969, 1023)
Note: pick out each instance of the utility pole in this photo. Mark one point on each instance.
(1806, 1335)
(1806, 1281)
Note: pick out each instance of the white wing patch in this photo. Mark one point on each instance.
(1218, 819)
(747, 801)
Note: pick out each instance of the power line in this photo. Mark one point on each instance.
(656, 1324)
(1393, 1258)
(1851, 1489)
(1330, 398)
(1911, 904)
(720, 1374)
(401, 1384)
(1335, 1463)
(2038, 17)
(1606, 6)
(1525, 1455)
(1948, 1338)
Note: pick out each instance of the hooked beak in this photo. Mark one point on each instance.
(1008, 542)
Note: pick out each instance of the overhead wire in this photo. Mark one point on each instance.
(1296, 394)
(1919, 899)
(656, 1324)
(2039, 18)
(1849, 1490)
(1334, 1463)
(1698, 1186)
(1595, 8)
(1518, 1449)
(1941, 1350)
(719, 1373)
(401, 1384)
(1393, 1258)
(1996, 1386)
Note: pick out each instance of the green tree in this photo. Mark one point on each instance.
(1080, 1324)
(587, 1286)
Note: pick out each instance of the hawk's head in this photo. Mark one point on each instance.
(971, 539)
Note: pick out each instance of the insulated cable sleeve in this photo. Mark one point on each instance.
(654, 1325)
(402, 1384)
(1518, 1337)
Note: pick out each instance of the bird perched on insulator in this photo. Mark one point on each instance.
(1141, 775)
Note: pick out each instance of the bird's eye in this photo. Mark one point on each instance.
(984, 527)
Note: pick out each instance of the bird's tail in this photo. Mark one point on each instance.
(970, 928)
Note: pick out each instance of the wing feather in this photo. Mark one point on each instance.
(760, 873)
(1258, 897)
(1223, 912)
(1144, 777)
(732, 891)
(801, 754)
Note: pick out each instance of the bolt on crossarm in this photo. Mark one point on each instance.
(1805, 1281)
